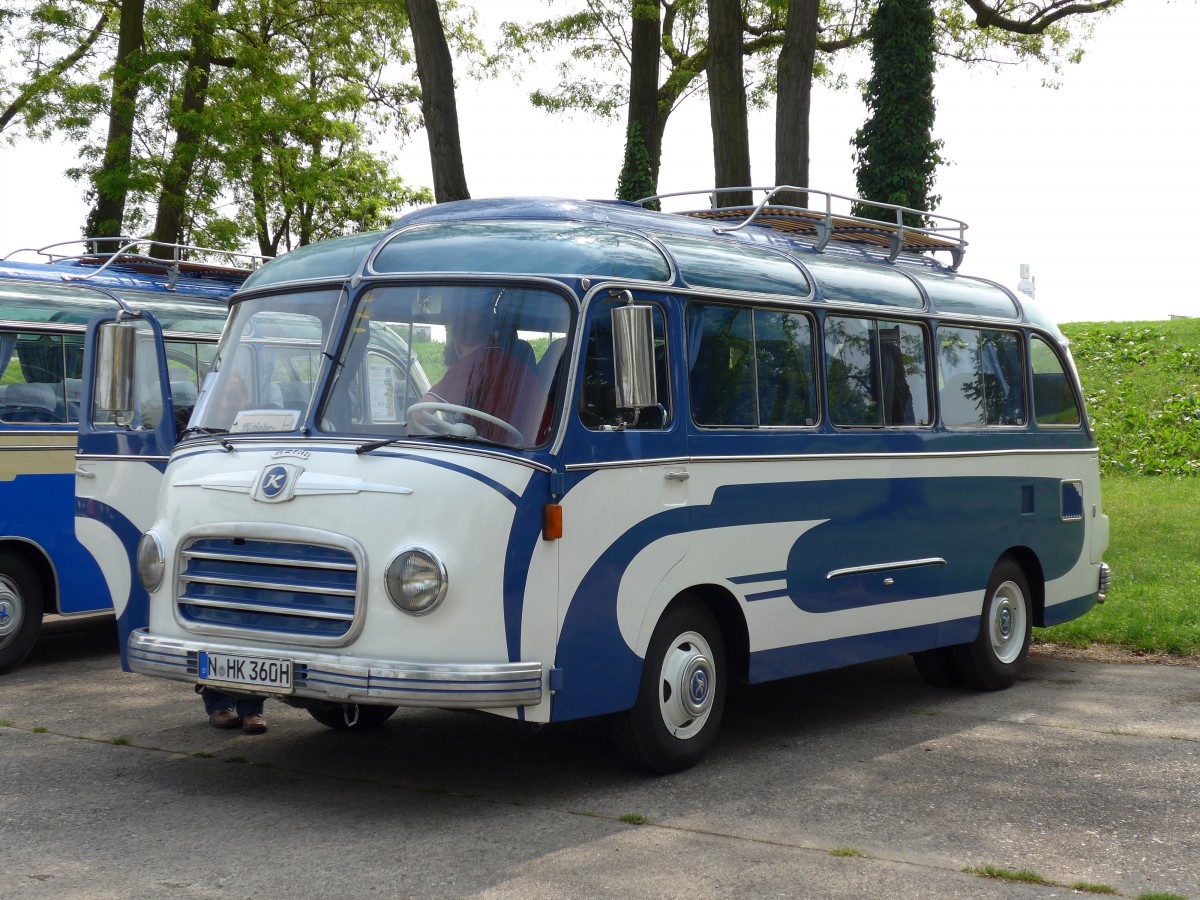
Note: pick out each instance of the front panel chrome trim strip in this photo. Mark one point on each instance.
(348, 679)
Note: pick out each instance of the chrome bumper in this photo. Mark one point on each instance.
(1105, 582)
(326, 676)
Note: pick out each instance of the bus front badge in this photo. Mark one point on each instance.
(277, 483)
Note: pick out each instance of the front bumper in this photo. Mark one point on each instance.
(343, 679)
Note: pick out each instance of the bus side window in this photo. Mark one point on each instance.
(981, 377)
(34, 369)
(876, 373)
(783, 356)
(598, 391)
(1053, 400)
(721, 365)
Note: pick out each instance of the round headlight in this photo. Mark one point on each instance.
(416, 581)
(150, 561)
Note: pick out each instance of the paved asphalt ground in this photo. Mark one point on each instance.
(859, 783)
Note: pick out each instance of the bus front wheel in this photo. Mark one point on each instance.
(351, 716)
(20, 610)
(681, 697)
(995, 658)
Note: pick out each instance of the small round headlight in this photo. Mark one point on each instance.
(151, 563)
(416, 580)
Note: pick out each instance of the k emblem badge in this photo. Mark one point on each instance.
(277, 483)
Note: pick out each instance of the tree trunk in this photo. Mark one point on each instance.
(435, 70)
(189, 135)
(112, 181)
(727, 101)
(794, 100)
(643, 134)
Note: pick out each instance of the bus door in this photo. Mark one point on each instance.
(625, 517)
(124, 444)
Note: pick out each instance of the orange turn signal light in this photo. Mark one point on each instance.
(552, 522)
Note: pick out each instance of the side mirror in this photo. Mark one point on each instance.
(633, 356)
(116, 347)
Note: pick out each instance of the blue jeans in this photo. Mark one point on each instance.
(243, 706)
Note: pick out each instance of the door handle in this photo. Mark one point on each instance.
(677, 476)
(81, 472)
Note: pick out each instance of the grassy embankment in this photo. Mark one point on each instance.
(1142, 384)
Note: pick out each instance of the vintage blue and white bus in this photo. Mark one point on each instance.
(46, 299)
(689, 448)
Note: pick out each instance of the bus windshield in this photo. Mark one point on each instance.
(484, 360)
(266, 366)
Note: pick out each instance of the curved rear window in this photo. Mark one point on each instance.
(523, 248)
(967, 296)
(851, 281)
(735, 267)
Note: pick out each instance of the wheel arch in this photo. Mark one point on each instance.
(1035, 576)
(38, 560)
(725, 609)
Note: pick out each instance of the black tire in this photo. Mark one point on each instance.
(351, 716)
(681, 697)
(21, 609)
(938, 667)
(995, 658)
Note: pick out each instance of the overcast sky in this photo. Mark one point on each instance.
(1094, 185)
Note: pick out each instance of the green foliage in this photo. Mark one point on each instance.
(637, 174)
(1141, 383)
(896, 155)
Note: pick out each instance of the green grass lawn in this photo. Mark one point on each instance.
(1154, 602)
(1141, 381)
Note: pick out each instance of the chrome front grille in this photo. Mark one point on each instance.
(294, 590)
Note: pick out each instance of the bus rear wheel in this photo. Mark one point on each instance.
(681, 697)
(995, 658)
(20, 610)
(351, 716)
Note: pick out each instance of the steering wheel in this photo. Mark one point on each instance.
(422, 416)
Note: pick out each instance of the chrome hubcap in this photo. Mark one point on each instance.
(1006, 622)
(686, 685)
(10, 609)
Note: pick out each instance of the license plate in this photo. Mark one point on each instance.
(262, 673)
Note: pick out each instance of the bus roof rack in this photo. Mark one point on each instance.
(942, 233)
(184, 259)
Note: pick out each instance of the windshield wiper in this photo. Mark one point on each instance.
(375, 445)
(455, 438)
(215, 433)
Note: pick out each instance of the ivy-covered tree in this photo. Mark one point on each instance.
(895, 150)
(643, 148)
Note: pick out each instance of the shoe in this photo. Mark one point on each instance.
(224, 718)
(254, 724)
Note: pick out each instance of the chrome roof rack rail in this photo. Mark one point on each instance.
(822, 225)
(184, 258)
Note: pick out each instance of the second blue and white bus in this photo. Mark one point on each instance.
(47, 297)
(770, 441)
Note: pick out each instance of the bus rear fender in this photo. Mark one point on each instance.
(39, 561)
(1034, 574)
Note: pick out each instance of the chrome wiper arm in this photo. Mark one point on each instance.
(375, 445)
(217, 434)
